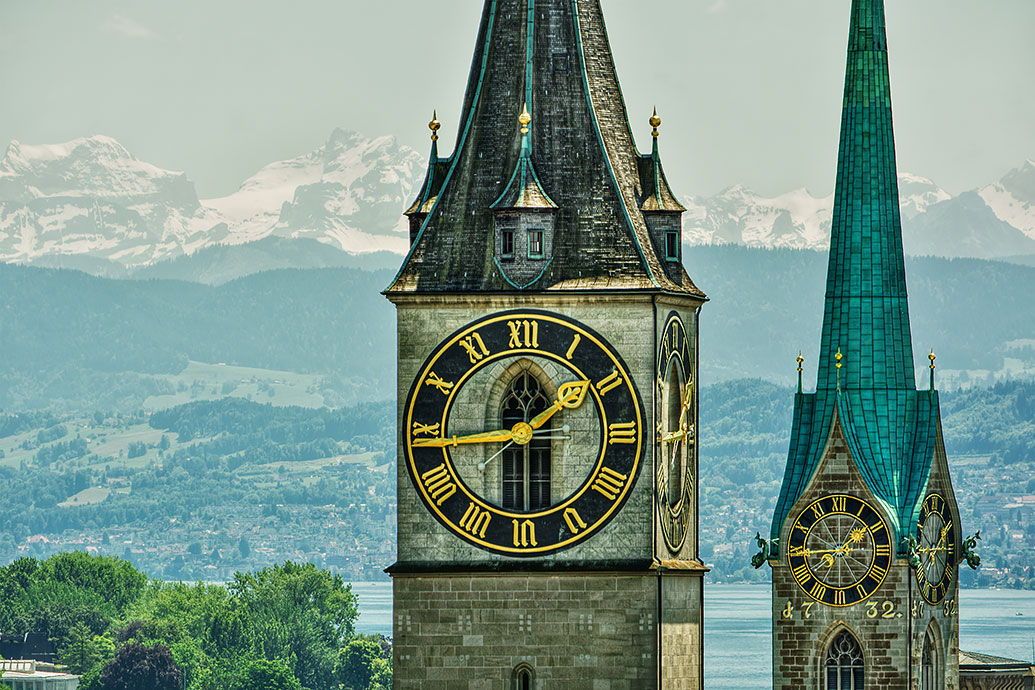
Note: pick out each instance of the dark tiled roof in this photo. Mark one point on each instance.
(890, 427)
(554, 56)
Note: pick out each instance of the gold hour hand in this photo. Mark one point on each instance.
(486, 437)
(569, 397)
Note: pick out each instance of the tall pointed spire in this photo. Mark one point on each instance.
(866, 312)
(866, 380)
(554, 56)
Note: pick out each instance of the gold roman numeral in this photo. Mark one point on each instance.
(879, 571)
(609, 483)
(818, 591)
(524, 334)
(839, 598)
(801, 573)
(883, 550)
(439, 484)
(425, 429)
(840, 504)
(574, 520)
(476, 520)
(436, 381)
(524, 534)
(574, 346)
(475, 348)
(818, 511)
(621, 433)
(861, 591)
(610, 382)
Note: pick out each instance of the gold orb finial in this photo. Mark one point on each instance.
(932, 357)
(434, 126)
(525, 119)
(655, 122)
(800, 360)
(839, 357)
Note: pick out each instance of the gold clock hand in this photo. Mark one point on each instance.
(487, 437)
(569, 396)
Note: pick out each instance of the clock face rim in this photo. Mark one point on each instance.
(926, 513)
(682, 358)
(851, 591)
(627, 387)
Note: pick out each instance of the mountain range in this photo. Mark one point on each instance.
(90, 204)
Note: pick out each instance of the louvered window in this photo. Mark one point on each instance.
(526, 469)
(845, 664)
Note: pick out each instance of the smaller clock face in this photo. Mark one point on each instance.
(839, 550)
(676, 440)
(936, 540)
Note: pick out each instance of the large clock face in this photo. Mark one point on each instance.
(676, 448)
(936, 539)
(523, 433)
(839, 550)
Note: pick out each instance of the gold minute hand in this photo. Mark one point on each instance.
(569, 396)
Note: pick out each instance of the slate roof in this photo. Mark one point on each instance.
(554, 56)
(891, 428)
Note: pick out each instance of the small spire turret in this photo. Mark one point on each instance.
(800, 360)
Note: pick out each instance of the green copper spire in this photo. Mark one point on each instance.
(866, 313)
(866, 381)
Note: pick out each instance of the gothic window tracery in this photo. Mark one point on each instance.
(929, 664)
(844, 664)
(526, 468)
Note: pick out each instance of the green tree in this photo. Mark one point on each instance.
(357, 664)
(81, 651)
(263, 674)
(300, 614)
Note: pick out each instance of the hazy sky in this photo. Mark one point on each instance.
(749, 90)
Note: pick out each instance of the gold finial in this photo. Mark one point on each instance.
(800, 361)
(839, 357)
(932, 357)
(434, 126)
(655, 122)
(525, 119)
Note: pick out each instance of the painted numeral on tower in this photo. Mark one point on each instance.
(524, 334)
(839, 503)
(439, 484)
(621, 433)
(609, 483)
(475, 348)
(610, 382)
(524, 534)
(475, 520)
(574, 520)
(436, 381)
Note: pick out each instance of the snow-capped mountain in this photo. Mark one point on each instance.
(996, 222)
(90, 204)
(92, 199)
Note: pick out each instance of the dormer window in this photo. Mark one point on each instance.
(672, 246)
(507, 243)
(535, 244)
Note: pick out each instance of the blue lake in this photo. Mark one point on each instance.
(737, 619)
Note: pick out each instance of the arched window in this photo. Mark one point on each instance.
(929, 665)
(524, 678)
(844, 664)
(526, 469)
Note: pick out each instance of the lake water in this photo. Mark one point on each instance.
(737, 619)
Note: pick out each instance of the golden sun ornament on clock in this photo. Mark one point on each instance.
(674, 481)
(523, 433)
(839, 550)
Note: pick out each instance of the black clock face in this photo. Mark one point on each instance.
(936, 546)
(523, 433)
(839, 550)
(676, 442)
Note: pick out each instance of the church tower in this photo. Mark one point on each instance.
(865, 544)
(547, 370)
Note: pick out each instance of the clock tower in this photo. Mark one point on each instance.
(865, 545)
(547, 372)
